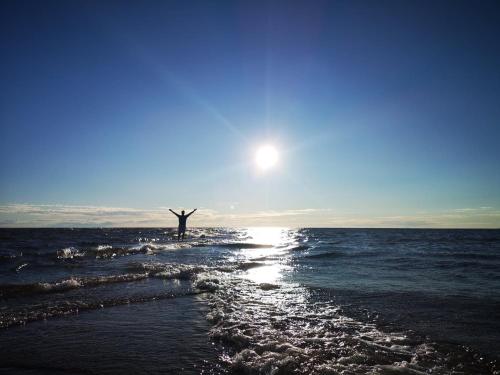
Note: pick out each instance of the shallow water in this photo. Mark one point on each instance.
(256, 300)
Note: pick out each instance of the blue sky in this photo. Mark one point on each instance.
(384, 113)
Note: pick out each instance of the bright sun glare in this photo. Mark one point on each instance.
(266, 157)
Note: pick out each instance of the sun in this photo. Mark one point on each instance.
(266, 157)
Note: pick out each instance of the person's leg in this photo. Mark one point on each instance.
(178, 234)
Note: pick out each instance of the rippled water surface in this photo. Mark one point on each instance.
(256, 300)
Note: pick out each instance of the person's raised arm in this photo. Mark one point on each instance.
(192, 212)
(175, 213)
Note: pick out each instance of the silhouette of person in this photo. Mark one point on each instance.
(182, 222)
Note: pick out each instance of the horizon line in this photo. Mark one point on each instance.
(250, 226)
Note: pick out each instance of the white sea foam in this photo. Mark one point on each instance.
(104, 247)
(61, 285)
(277, 329)
(69, 253)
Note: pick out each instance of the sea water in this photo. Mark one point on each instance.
(253, 300)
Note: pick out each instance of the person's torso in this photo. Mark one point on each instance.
(182, 220)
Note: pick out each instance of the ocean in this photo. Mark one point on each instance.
(252, 300)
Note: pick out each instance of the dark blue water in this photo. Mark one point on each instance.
(257, 300)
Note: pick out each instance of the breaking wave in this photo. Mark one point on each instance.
(202, 278)
(142, 271)
(108, 251)
(61, 308)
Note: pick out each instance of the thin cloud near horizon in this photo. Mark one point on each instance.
(59, 215)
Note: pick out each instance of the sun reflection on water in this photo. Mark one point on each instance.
(273, 236)
(272, 256)
(267, 274)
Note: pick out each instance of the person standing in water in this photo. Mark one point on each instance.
(182, 222)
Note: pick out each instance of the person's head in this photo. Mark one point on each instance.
(182, 212)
